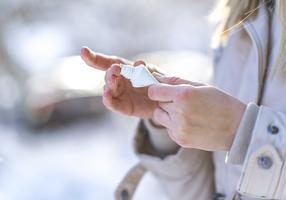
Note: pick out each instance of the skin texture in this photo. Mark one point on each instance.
(195, 115)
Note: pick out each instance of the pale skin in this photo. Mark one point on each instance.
(195, 115)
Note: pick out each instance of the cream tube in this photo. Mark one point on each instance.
(139, 76)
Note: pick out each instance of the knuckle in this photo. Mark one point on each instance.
(186, 94)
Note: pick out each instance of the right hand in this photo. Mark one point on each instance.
(119, 95)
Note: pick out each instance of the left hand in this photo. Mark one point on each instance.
(196, 115)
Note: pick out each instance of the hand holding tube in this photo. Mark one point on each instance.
(196, 115)
(120, 96)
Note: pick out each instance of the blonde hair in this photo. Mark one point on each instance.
(232, 13)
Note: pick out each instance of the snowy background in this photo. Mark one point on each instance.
(57, 141)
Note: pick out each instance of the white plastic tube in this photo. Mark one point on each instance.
(139, 76)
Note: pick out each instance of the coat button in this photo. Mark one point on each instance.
(124, 195)
(273, 129)
(218, 196)
(264, 162)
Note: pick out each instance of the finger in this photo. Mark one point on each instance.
(107, 97)
(153, 68)
(113, 71)
(111, 103)
(162, 117)
(168, 107)
(139, 62)
(110, 88)
(173, 80)
(97, 60)
(112, 76)
(157, 75)
(162, 92)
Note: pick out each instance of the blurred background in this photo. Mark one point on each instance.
(57, 141)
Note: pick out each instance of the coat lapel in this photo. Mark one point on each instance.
(259, 32)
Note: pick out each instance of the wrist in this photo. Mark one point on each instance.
(238, 115)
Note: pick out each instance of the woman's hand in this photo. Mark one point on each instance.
(119, 95)
(196, 115)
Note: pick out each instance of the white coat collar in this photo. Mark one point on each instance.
(258, 29)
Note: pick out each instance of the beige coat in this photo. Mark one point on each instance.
(254, 167)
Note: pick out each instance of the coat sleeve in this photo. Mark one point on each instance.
(260, 147)
(183, 173)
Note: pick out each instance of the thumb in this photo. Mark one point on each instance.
(162, 92)
(171, 80)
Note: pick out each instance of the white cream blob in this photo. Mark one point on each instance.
(139, 76)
